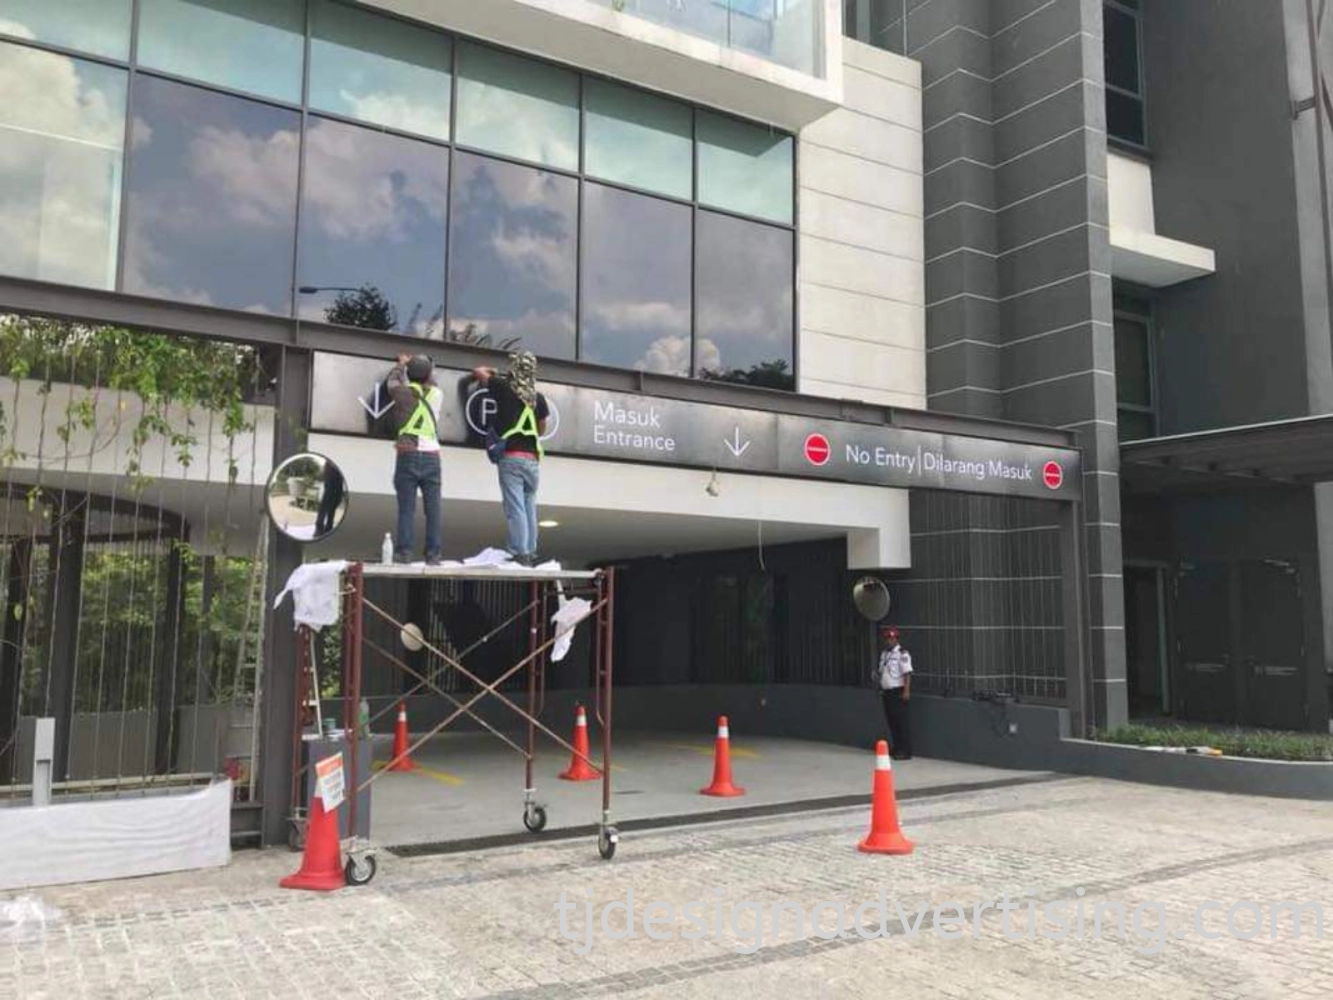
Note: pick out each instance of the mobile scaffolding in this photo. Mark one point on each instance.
(548, 590)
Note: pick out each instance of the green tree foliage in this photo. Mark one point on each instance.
(470, 335)
(366, 308)
(768, 374)
(164, 371)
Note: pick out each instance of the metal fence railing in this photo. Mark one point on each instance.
(132, 554)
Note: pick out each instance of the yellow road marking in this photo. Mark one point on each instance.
(709, 751)
(442, 776)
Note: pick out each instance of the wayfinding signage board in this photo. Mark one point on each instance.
(598, 423)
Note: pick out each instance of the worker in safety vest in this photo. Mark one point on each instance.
(519, 421)
(895, 684)
(416, 401)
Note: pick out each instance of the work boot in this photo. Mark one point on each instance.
(432, 560)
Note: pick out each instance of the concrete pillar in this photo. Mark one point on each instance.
(1321, 636)
(278, 682)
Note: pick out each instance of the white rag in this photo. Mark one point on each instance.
(314, 590)
(489, 557)
(571, 611)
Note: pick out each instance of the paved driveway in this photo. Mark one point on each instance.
(486, 925)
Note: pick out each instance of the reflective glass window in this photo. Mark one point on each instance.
(379, 69)
(1133, 370)
(1120, 43)
(1135, 425)
(744, 168)
(638, 139)
(1124, 118)
(257, 46)
(212, 207)
(518, 107)
(373, 229)
(1124, 73)
(62, 135)
(512, 256)
(101, 27)
(743, 289)
(636, 290)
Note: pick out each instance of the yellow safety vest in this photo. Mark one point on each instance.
(527, 424)
(422, 421)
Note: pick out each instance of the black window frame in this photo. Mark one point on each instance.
(1131, 9)
(1139, 311)
(304, 109)
(861, 26)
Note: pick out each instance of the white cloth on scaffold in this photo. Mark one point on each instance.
(571, 611)
(489, 557)
(314, 589)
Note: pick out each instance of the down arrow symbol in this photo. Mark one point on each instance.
(734, 445)
(376, 411)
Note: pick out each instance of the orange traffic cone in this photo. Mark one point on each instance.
(579, 768)
(885, 836)
(321, 865)
(722, 785)
(401, 761)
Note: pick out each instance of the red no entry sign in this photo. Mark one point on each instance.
(817, 450)
(1052, 475)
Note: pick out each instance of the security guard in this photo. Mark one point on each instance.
(895, 683)
(417, 401)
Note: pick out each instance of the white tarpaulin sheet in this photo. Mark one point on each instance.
(118, 838)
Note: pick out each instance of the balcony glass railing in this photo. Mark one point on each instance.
(787, 32)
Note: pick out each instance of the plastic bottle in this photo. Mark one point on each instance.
(386, 550)
(364, 721)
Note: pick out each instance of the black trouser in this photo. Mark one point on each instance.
(900, 726)
(328, 507)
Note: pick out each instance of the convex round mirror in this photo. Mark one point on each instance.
(871, 598)
(307, 497)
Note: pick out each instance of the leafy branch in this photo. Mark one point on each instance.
(167, 373)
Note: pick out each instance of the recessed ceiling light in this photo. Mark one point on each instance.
(548, 524)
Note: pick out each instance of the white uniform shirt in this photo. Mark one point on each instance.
(894, 665)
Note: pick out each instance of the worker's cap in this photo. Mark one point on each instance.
(889, 631)
(419, 367)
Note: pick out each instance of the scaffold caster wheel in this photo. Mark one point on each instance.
(360, 871)
(606, 842)
(534, 818)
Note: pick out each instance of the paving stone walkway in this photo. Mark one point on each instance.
(485, 924)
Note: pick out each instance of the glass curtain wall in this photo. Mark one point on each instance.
(317, 159)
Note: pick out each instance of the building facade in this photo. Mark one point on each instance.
(1127, 233)
(819, 289)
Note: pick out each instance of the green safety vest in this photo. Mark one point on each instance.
(527, 424)
(422, 421)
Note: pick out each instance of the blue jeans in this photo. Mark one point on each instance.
(417, 470)
(518, 490)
